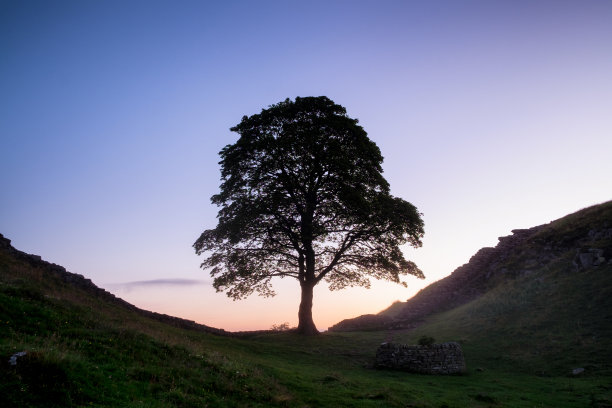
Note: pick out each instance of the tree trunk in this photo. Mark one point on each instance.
(306, 325)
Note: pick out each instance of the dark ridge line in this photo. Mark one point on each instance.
(535, 247)
(80, 282)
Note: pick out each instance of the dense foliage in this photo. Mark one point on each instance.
(303, 196)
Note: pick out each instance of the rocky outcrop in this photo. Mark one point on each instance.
(54, 271)
(466, 283)
(582, 240)
(445, 358)
(589, 257)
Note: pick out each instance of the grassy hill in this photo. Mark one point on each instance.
(522, 335)
(570, 249)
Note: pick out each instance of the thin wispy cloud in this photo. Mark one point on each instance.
(154, 283)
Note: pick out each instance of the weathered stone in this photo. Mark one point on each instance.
(598, 258)
(577, 371)
(586, 259)
(14, 357)
(445, 358)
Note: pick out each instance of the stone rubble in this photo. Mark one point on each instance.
(444, 358)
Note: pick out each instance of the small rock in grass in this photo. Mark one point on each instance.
(577, 371)
(13, 359)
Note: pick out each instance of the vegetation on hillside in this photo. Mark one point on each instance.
(572, 244)
(521, 340)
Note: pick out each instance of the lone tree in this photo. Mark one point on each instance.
(303, 196)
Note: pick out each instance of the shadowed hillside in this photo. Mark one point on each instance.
(66, 343)
(574, 245)
(18, 265)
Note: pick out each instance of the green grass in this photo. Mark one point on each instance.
(83, 351)
(546, 323)
(521, 340)
(78, 357)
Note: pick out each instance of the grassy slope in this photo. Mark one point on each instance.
(516, 255)
(83, 352)
(520, 341)
(553, 319)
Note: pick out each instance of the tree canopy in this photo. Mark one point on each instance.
(303, 196)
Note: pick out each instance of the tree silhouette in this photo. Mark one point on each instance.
(303, 196)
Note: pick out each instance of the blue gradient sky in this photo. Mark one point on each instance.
(491, 115)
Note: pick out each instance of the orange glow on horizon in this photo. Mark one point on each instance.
(203, 305)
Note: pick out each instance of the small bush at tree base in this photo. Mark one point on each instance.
(281, 327)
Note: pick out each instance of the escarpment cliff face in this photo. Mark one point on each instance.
(576, 242)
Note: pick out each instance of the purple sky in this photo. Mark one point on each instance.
(491, 115)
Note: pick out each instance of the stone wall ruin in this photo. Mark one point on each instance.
(445, 358)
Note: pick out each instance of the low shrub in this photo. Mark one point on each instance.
(426, 341)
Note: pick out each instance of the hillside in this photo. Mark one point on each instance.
(56, 278)
(76, 345)
(576, 245)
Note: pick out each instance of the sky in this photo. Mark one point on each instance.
(491, 116)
